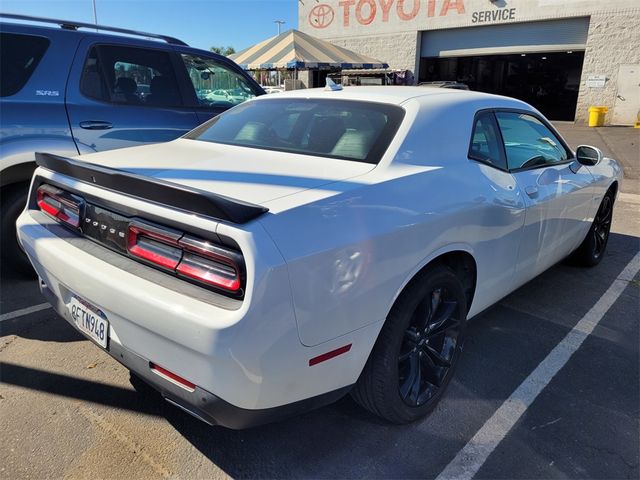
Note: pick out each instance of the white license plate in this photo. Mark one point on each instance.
(89, 320)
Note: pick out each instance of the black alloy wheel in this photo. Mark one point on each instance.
(592, 248)
(417, 350)
(602, 226)
(429, 347)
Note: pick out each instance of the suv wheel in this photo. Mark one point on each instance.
(14, 259)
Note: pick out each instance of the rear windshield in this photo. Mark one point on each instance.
(343, 129)
(19, 56)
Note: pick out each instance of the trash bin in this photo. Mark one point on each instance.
(596, 116)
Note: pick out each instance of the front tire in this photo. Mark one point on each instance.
(417, 350)
(593, 247)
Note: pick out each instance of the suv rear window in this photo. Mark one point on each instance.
(342, 129)
(19, 57)
(129, 75)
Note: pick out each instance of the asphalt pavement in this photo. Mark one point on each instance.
(621, 143)
(68, 410)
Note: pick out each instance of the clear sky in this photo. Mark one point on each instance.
(200, 23)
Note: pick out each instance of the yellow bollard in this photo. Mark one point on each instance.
(596, 116)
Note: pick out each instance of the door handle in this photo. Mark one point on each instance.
(621, 98)
(531, 190)
(95, 125)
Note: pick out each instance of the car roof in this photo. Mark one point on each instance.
(133, 39)
(396, 95)
(51, 30)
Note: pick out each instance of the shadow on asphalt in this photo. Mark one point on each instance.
(7, 275)
(78, 388)
(343, 440)
(31, 327)
(504, 344)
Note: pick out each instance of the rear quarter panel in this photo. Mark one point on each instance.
(351, 253)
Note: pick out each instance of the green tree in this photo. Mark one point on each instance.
(226, 51)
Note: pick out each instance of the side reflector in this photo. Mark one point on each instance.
(329, 355)
(172, 377)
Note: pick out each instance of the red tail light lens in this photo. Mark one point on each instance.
(154, 245)
(191, 258)
(210, 264)
(60, 205)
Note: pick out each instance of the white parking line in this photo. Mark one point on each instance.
(23, 311)
(469, 460)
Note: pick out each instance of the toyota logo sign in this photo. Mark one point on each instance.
(321, 16)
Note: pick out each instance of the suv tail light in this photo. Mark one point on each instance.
(189, 257)
(62, 206)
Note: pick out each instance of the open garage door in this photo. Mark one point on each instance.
(538, 62)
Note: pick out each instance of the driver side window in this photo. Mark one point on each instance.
(528, 142)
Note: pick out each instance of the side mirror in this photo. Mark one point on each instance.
(588, 155)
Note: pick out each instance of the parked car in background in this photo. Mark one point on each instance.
(269, 89)
(445, 84)
(313, 242)
(70, 90)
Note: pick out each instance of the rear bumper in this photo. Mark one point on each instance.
(201, 403)
(245, 358)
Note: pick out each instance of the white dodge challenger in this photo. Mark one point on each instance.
(299, 247)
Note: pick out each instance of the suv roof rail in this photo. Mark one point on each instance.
(71, 25)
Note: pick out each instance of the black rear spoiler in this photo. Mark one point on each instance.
(162, 192)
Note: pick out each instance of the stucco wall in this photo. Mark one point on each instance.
(397, 49)
(614, 39)
(389, 30)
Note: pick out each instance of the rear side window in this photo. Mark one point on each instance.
(131, 76)
(486, 145)
(350, 130)
(19, 57)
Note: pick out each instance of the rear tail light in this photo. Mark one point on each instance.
(210, 264)
(62, 206)
(196, 260)
(154, 245)
(190, 258)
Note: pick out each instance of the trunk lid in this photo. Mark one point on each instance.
(251, 175)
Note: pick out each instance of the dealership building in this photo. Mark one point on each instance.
(562, 56)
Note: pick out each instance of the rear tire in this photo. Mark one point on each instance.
(593, 247)
(14, 260)
(417, 350)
